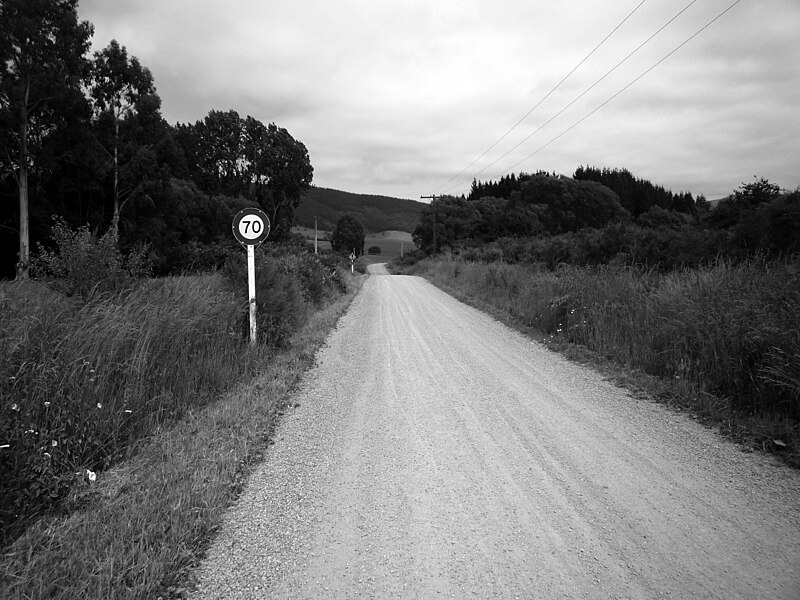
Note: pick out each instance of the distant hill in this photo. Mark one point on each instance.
(375, 213)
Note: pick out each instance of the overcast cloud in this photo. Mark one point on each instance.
(397, 97)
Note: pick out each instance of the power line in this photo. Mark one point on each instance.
(587, 90)
(582, 119)
(546, 96)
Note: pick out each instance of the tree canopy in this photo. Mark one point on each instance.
(348, 236)
(551, 219)
(83, 138)
(235, 156)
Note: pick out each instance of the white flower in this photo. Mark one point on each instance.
(54, 443)
(99, 405)
(91, 475)
(47, 454)
(46, 404)
(15, 406)
(128, 411)
(4, 446)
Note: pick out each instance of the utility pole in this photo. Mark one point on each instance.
(315, 236)
(433, 206)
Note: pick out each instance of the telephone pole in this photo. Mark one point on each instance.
(433, 206)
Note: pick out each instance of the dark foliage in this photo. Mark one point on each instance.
(234, 156)
(552, 220)
(97, 146)
(637, 196)
(348, 236)
(544, 204)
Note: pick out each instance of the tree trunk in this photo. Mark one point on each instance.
(23, 264)
(116, 172)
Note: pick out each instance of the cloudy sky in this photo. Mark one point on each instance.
(398, 97)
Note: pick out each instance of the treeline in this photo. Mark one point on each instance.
(635, 195)
(83, 138)
(600, 216)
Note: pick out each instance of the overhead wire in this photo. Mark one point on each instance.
(545, 97)
(582, 119)
(584, 92)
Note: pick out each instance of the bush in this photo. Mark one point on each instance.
(374, 250)
(408, 260)
(196, 257)
(279, 300)
(84, 264)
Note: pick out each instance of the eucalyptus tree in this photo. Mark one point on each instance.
(119, 84)
(43, 65)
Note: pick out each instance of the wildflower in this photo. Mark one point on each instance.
(54, 443)
(47, 454)
(15, 406)
(91, 371)
(12, 379)
(46, 404)
(99, 405)
(91, 475)
(4, 446)
(127, 410)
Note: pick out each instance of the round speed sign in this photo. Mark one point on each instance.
(251, 226)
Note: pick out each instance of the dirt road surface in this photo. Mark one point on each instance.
(436, 453)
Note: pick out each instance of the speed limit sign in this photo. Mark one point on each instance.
(251, 227)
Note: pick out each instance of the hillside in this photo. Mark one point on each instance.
(375, 213)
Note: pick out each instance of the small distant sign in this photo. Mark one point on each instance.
(251, 227)
(352, 256)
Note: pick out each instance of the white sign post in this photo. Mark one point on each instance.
(352, 260)
(251, 228)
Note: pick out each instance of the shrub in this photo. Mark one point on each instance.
(195, 257)
(279, 300)
(374, 250)
(408, 260)
(84, 264)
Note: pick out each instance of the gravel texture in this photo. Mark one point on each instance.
(437, 453)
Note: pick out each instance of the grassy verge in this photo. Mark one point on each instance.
(137, 528)
(722, 341)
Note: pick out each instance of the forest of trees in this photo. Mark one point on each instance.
(602, 215)
(83, 138)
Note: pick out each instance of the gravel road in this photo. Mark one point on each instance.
(437, 453)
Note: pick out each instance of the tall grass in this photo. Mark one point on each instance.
(80, 383)
(731, 331)
(137, 531)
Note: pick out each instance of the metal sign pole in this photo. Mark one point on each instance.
(251, 228)
(251, 290)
